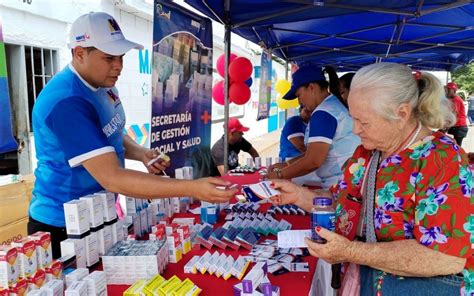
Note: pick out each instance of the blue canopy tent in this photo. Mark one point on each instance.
(428, 35)
(349, 34)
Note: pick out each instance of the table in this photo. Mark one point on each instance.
(292, 283)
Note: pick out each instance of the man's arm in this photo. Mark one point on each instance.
(136, 152)
(220, 168)
(253, 153)
(105, 169)
(132, 149)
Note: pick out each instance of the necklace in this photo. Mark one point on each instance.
(409, 140)
(412, 140)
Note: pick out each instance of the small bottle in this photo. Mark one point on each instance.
(322, 215)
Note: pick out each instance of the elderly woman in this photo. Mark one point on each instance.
(406, 193)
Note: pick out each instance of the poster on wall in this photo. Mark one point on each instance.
(181, 87)
(7, 141)
(265, 92)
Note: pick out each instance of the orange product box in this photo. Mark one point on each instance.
(20, 288)
(54, 271)
(44, 251)
(27, 256)
(37, 280)
(9, 266)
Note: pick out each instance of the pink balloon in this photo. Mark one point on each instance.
(239, 93)
(221, 63)
(218, 92)
(240, 69)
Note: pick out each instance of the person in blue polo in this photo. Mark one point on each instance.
(78, 120)
(329, 141)
(292, 135)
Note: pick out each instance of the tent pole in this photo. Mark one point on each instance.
(226, 82)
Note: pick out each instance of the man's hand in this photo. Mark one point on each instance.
(156, 167)
(206, 189)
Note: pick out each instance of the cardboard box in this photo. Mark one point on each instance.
(13, 203)
(13, 232)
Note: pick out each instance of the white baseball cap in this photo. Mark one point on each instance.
(100, 30)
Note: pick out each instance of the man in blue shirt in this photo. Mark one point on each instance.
(292, 136)
(78, 120)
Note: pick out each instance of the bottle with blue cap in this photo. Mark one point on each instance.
(322, 215)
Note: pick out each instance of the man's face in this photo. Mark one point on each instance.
(98, 68)
(450, 93)
(235, 137)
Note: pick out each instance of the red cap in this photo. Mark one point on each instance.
(236, 126)
(452, 85)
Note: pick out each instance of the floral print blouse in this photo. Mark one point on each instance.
(424, 192)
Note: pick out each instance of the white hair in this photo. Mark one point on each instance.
(393, 84)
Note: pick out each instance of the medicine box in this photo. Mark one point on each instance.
(96, 210)
(77, 247)
(76, 214)
(44, 251)
(9, 265)
(27, 256)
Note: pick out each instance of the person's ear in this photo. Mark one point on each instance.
(78, 54)
(404, 112)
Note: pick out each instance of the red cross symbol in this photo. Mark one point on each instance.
(205, 117)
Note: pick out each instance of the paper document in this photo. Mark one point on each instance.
(293, 238)
(263, 190)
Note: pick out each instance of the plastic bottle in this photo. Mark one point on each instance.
(322, 215)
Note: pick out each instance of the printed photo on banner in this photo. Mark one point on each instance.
(181, 85)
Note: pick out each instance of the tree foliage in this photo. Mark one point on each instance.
(464, 77)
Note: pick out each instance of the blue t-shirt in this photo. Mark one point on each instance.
(330, 123)
(294, 127)
(72, 122)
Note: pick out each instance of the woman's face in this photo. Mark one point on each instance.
(374, 131)
(343, 91)
(310, 96)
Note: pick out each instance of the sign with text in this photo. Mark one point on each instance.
(181, 86)
(265, 92)
(7, 141)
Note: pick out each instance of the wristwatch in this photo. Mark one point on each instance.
(277, 171)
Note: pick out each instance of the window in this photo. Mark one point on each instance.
(41, 65)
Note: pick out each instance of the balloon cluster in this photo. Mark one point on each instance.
(240, 70)
(282, 86)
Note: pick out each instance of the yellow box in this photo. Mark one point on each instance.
(13, 203)
(13, 231)
(186, 286)
(169, 286)
(152, 286)
(135, 289)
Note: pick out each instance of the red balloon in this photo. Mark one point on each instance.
(218, 92)
(240, 69)
(239, 93)
(221, 63)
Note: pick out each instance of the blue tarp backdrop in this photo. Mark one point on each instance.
(348, 34)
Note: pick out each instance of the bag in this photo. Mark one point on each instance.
(351, 283)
